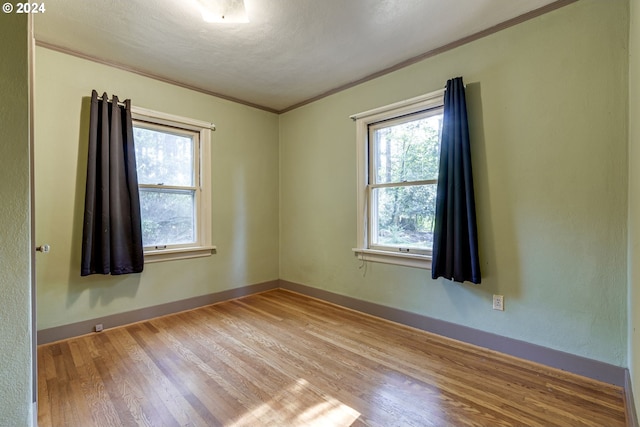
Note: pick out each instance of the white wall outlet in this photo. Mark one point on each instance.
(99, 327)
(498, 302)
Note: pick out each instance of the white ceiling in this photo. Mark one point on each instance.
(290, 52)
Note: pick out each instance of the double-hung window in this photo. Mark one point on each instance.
(173, 164)
(398, 158)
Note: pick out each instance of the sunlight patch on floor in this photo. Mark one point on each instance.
(300, 404)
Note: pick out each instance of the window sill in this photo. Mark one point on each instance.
(407, 260)
(178, 253)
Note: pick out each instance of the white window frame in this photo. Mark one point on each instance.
(364, 250)
(202, 130)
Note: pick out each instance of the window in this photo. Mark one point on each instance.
(173, 163)
(398, 157)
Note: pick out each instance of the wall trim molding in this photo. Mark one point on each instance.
(535, 353)
(629, 402)
(58, 333)
(572, 363)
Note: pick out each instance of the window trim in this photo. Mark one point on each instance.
(203, 246)
(363, 250)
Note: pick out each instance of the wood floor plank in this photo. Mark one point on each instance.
(387, 363)
(299, 363)
(259, 382)
(279, 375)
(454, 359)
(183, 378)
(74, 384)
(155, 385)
(44, 404)
(283, 359)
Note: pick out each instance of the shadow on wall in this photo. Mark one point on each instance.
(239, 242)
(490, 239)
(103, 289)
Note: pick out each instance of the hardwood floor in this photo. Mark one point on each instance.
(283, 359)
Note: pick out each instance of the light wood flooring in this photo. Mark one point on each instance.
(283, 359)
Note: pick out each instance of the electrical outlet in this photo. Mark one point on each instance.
(498, 302)
(99, 327)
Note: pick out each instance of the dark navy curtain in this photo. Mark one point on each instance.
(112, 233)
(455, 241)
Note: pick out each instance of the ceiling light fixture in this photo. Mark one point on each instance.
(224, 11)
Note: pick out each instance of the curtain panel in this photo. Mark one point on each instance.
(455, 242)
(112, 233)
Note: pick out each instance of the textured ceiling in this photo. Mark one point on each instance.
(290, 51)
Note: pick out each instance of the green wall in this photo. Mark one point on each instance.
(634, 201)
(244, 205)
(548, 110)
(15, 248)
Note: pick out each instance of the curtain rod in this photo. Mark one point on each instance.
(110, 100)
(139, 113)
(101, 98)
(142, 113)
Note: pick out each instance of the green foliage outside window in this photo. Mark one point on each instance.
(405, 153)
(165, 165)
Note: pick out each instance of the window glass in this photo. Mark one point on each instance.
(407, 151)
(166, 160)
(163, 157)
(404, 216)
(403, 162)
(168, 217)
